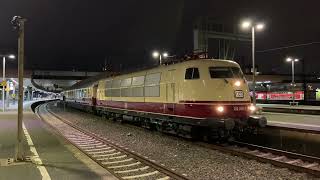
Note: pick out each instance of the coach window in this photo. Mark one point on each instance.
(192, 73)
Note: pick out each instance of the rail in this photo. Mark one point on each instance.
(118, 160)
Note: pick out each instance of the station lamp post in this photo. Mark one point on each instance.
(10, 56)
(159, 55)
(254, 26)
(292, 60)
(18, 24)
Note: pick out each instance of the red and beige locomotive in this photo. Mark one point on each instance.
(197, 97)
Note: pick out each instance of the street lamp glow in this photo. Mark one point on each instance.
(260, 26)
(165, 54)
(246, 24)
(155, 54)
(292, 61)
(254, 26)
(288, 59)
(12, 56)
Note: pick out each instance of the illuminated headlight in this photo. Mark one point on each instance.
(237, 83)
(220, 109)
(252, 108)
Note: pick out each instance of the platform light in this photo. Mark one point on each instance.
(246, 24)
(165, 54)
(220, 109)
(254, 25)
(12, 56)
(260, 26)
(237, 83)
(155, 54)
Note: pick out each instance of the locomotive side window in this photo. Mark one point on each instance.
(138, 81)
(153, 79)
(116, 83)
(152, 85)
(108, 84)
(138, 86)
(192, 73)
(225, 72)
(126, 82)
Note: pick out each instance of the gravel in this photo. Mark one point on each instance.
(183, 156)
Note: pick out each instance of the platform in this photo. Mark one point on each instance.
(303, 122)
(283, 108)
(48, 155)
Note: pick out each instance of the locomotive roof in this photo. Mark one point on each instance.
(94, 80)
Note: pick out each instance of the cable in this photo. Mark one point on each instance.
(287, 47)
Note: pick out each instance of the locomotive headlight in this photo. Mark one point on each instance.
(237, 83)
(252, 108)
(220, 109)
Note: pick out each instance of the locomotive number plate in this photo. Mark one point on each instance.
(238, 94)
(239, 108)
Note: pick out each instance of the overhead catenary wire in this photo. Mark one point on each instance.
(288, 47)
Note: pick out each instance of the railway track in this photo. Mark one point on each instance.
(118, 160)
(91, 144)
(293, 161)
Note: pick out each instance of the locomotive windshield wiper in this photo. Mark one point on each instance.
(225, 80)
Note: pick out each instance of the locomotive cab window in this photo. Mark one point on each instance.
(192, 73)
(225, 72)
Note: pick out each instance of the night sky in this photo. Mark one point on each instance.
(81, 34)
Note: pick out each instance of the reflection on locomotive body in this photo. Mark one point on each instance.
(204, 96)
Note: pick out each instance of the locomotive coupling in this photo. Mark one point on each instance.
(257, 121)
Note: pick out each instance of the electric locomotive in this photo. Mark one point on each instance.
(203, 97)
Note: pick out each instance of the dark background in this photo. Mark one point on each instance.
(82, 34)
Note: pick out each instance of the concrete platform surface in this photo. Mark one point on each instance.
(287, 106)
(296, 121)
(283, 108)
(49, 156)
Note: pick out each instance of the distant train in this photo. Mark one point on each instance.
(202, 97)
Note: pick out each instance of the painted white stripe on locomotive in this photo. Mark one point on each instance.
(140, 175)
(132, 170)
